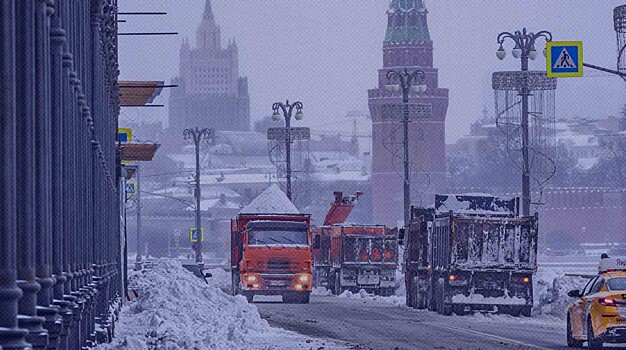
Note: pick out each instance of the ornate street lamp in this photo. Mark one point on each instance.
(287, 110)
(619, 24)
(524, 49)
(407, 81)
(198, 135)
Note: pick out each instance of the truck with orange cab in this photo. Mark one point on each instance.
(598, 315)
(271, 255)
(353, 257)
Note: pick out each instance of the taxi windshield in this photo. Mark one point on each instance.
(618, 283)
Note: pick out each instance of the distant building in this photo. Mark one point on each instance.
(210, 92)
(407, 45)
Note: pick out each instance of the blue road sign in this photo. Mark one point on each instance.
(130, 187)
(564, 59)
(196, 235)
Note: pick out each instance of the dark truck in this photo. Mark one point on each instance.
(471, 252)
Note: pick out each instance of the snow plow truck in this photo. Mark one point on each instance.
(353, 257)
(471, 252)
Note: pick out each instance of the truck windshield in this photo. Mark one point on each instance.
(277, 237)
(618, 283)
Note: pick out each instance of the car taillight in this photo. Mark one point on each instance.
(377, 254)
(607, 301)
(389, 254)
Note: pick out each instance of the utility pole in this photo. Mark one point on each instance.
(405, 80)
(287, 109)
(524, 49)
(138, 260)
(198, 135)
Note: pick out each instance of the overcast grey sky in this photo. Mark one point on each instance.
(326, 52)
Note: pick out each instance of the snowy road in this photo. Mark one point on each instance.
(369, 324)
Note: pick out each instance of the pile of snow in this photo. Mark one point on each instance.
(400, 284)
(220, 279)
(272, 200)
(362, 294)
(551, 288)
(177, 310)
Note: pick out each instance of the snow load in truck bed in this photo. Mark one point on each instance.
(474, 204)
(272, 200)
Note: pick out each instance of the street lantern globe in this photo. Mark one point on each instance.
(532, 54)
(422, 88)
(390, 87)
(545, 54)
(275, 116)
(517, 51)
(501, 53)
(299, 115)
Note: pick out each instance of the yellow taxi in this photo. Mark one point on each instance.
(599, 313)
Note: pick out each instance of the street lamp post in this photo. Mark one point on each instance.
(287, 109)
(198, 135)
(406, 81)
(524, 49)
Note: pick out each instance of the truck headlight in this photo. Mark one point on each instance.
(304, 278)
(251, 278)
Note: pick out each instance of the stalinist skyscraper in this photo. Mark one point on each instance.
(407, 45)
(211, 93)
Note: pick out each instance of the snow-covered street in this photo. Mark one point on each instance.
(176, 310)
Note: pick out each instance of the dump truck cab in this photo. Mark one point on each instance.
(271, 255)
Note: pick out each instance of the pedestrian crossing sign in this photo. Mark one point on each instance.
(196, 235)
(130, 187)
(564, 59)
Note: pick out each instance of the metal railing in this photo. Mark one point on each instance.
(60, 285)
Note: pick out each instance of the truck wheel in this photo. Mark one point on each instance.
(338, 285)
(459, 310)
(235, 283)
(571, 342)
(249, 296)
(443, 309)
(527, 311)
(304, 297)
(592, 343)
(287, 298)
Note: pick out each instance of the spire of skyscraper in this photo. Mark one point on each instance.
(208, 12)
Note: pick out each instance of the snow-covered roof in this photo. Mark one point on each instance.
(207, 204)
(272, 200)
(575, 139)
(342, 176)
(586, 163)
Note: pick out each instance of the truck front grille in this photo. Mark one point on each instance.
(278, 265)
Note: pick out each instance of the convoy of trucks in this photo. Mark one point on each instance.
(471, 252)
(464, 253)
(353, 257)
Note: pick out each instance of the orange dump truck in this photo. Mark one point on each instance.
(271, 255)
(353, 257)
